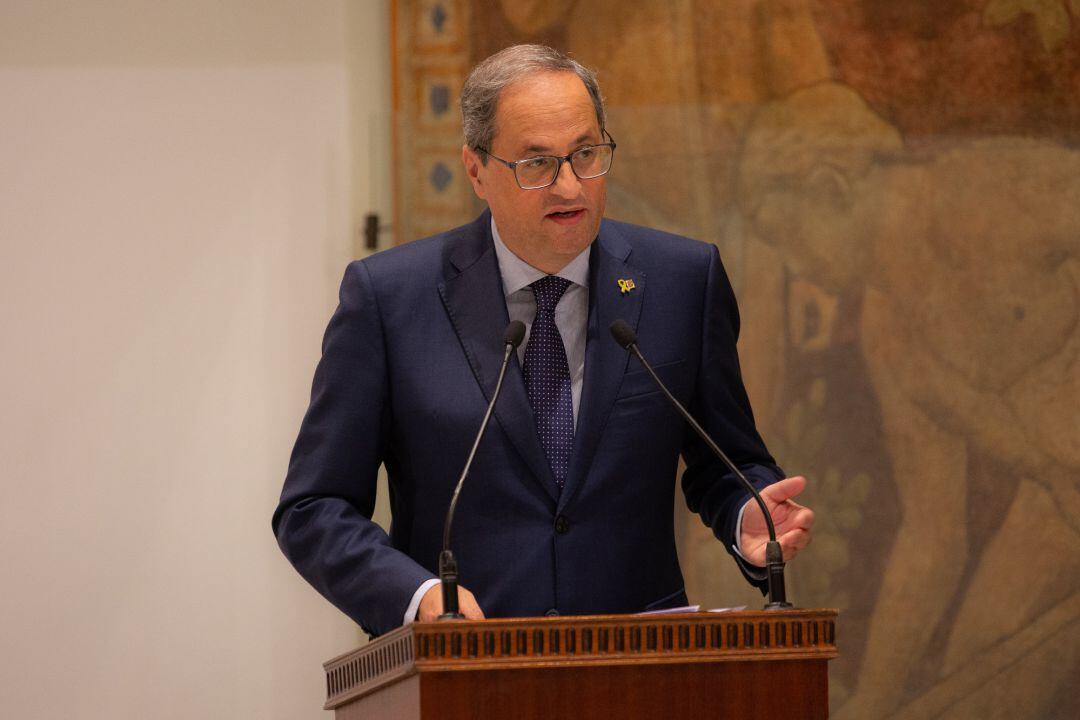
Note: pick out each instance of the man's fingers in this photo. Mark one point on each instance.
(781, 490)
(792, 542)
(798, 517)
(468, 605)
(793, 521)
(431, 605)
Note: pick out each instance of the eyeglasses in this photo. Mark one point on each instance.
(539, 172)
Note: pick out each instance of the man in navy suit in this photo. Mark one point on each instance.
(568, 507)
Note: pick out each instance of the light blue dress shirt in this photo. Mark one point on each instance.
(571, 314)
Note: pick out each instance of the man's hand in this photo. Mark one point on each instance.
(431, 605)
(792, 521)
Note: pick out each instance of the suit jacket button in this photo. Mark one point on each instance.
(562, 525)
(552, 613)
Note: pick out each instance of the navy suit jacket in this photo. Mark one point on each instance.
(410, 359)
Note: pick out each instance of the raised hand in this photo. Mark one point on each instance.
(792, 520)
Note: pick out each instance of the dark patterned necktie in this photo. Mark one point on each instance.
(547, 378)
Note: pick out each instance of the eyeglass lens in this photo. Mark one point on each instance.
(587, 163)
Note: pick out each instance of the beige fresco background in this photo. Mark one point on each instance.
(895, 189)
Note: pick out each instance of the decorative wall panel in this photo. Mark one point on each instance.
(895, 189)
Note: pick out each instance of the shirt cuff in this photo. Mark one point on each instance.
(414, 606)
(737, 545)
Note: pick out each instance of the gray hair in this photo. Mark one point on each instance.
(480, 93)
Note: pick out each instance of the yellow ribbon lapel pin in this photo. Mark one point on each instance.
(625, 285)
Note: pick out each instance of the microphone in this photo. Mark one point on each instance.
(448, 574)
(774, 556)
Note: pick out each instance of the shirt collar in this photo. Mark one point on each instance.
(518, 274)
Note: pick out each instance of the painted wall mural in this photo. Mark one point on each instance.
(895, 189)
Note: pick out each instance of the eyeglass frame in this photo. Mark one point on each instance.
(512, 164)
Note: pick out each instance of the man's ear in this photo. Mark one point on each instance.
(471, 160)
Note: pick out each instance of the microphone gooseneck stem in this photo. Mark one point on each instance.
(448, 572)
(774, 557)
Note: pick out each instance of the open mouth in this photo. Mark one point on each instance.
(566, 214)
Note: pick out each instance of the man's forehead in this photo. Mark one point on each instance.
(545, 112)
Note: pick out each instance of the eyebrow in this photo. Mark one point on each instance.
(545, 150)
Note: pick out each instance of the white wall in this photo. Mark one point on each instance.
(177, 203)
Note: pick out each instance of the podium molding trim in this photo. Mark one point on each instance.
(579, 641)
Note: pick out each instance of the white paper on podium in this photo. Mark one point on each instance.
(668, 611)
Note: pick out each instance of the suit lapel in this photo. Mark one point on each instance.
(474, 300)
(605, 361)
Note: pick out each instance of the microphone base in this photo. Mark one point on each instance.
(772, 606)
(451, 616)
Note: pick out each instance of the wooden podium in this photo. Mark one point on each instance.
(673, 667)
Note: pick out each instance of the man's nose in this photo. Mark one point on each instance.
(566, 182)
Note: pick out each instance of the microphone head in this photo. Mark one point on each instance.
(515, 333)
(623, 334)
